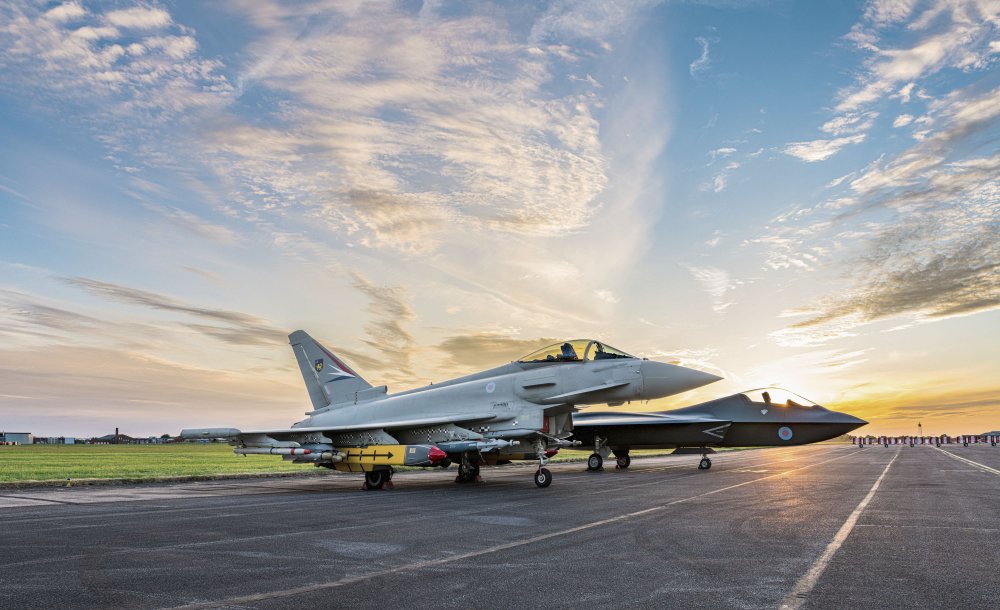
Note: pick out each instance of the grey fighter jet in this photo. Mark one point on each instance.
(768, 417)
(518, 411)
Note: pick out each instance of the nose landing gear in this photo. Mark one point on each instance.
(543, 478)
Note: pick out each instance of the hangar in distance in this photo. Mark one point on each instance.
(767, 417)
(518, 411)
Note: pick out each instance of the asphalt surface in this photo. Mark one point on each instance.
(826, 526)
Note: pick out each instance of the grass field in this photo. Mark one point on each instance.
(59, 462)
(20, 463)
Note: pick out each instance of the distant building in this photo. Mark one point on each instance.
(116, 439)
(55, 440)
(16, 438)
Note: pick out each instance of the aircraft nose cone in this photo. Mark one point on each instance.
(661, 379)
(844, 422)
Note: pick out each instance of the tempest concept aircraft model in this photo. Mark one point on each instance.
(518, 411)
(768, 417)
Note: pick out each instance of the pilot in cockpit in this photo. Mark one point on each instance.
(568, 353)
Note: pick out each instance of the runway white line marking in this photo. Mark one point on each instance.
(982, 467)
(487, 551)
(800, 592)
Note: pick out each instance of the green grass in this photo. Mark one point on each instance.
(20, 463)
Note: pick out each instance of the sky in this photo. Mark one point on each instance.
(801, 194)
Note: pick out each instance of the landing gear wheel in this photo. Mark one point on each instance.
(704, 464)
(543, 478)
(622, 462)
(467, 472)
(965, 444)
(376, 479)
(594, 463)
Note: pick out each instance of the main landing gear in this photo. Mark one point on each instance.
(468, 472)
(377, 479)
(543, 478)
(705, 463)
(595, 463)
(622, 460)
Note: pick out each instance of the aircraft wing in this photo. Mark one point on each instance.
(289, 433)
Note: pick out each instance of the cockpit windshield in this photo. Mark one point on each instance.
(779, 398)
(576, 350)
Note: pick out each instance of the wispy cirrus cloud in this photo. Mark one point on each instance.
(240, 328)
(700, 65)
(390, 310)
(484, 349)
(717, 284)
(378, 97)
(943, 35)
(821, 150)
(912, 230)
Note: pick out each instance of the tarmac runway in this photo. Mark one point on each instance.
(824, 526)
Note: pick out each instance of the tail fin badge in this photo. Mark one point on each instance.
(318, 365)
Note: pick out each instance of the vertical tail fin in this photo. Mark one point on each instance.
(327, 378)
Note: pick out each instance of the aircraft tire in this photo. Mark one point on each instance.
(704, 464)
(965, 444)
(622, 462)
(595, 462)
(543, 478)
(376, 479)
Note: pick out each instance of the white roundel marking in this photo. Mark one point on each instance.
(490, 387)
(785, 433)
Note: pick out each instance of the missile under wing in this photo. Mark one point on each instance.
(519, 411)
(766, 417)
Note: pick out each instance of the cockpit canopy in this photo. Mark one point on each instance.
(576, 350)
(779, 398)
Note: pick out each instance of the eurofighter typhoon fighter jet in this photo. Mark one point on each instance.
(518, 411)
(767, 417)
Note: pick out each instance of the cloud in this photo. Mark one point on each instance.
(960, 38)
(386, 333)
(398, 128)
(937, 257)
(241, 328)
(86, 58)
(110, 388)
(196, 225)
(482, 350)
(902, 120)
(140, 18)
(962, 43)
(716, 283)
(607, 296)
(700, 65)
(820, 150)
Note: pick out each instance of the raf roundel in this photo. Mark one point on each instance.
(785, 433)
(490, 387)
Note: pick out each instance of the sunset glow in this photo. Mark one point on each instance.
(793, 194)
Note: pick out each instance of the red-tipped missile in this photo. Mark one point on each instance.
(435, 455)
